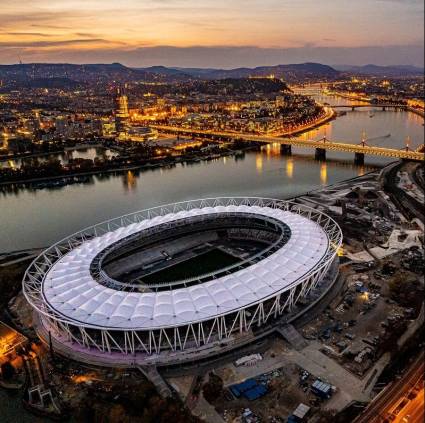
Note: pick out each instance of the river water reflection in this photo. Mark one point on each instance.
(36, 218)
(64, 158)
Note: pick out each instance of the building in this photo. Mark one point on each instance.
(299, 415)
(108, 128)
(174, 282)
(10, 340)
(62, 126)
(122, 116)
(322, 389)
(19, 145)
(141, 134)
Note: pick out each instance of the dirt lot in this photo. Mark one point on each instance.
(367, 318)
(286, 391)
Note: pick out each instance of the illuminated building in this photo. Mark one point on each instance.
(280, 101)
(141, 133)
(108, 128)
(10, 340)
(122, 115)
(416, 103)
(96, 293)
(61, 125)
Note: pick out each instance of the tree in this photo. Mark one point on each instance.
(10, 281)
(117, 414)
(7, 371)
(213, 388)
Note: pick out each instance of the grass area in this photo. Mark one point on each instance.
(199, 265)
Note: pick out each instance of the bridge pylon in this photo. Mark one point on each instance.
(364, 138)
(408, 140)
(320, 154)
(286, 149)
(359, 159)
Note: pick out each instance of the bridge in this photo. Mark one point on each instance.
(320, 146)
(384, 106)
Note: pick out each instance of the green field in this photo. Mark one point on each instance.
(195, 266)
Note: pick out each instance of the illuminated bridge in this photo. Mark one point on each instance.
(384, 106)
(321, 146)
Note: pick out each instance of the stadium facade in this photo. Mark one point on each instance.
(181, 277)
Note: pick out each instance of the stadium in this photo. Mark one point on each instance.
(181, 278)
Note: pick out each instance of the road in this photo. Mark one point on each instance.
(389, 400)
(414, 411)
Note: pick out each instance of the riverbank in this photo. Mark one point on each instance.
(158, 163)
(320, 121)
(346, 181)
(347, 97)
(331, 115)
(420, 113)
(30, 155)
(62, 150)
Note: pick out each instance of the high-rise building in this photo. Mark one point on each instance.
(121, 113)
(280, 101)
(62, 125)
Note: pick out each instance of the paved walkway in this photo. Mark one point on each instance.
(151, 373)
(291, 335)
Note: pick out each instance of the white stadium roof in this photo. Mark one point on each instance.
(70, 290)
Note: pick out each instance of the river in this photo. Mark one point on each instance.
(35, 218)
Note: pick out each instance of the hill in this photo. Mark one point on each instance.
(390, 71)
(116, 72)
(291, 73)
(92, 73)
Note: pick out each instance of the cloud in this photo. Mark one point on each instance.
(47, 26)
(220, 56)
(57, 43)
(295, 29)
(86, 35)
(27, 34)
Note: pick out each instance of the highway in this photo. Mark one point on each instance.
(392, 401)
(298, 142)
(414, 411)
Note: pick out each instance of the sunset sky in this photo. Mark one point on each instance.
(212, 33)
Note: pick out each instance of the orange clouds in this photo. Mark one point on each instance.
(38, 28)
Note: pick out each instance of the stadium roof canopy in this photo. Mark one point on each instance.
(70, 290)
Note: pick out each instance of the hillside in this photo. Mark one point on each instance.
(390, 71)
(78, 73)
(294, 72)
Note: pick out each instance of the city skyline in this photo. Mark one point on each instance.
(213, 34)
(212, 211)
